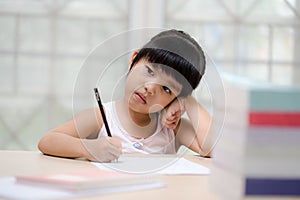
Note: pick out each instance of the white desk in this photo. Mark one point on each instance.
(186, 187)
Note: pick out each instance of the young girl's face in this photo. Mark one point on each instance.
(148, 89)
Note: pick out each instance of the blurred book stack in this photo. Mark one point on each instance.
(258, 152)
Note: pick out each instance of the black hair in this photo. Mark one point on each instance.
(181, 54)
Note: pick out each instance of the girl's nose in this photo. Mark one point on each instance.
(151, 88)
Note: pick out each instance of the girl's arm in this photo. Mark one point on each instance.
(195, 132)
(78, 138)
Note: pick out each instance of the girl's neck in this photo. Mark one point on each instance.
(140, 119)
(137, 124)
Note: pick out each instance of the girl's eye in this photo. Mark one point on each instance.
(150, 71)
(166, 89)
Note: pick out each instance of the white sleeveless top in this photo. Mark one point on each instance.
(161, 142)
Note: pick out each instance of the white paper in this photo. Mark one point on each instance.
(154, 165)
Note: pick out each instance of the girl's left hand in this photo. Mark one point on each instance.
(171, 115)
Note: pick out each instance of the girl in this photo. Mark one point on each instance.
(148, 119)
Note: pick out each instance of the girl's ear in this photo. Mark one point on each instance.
(132, 58)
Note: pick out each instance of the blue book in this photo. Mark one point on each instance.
(272, 186)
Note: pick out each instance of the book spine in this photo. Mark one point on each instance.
(274, 99)
(264, 167)
(258, 186)
(285, 119)
(239, 97)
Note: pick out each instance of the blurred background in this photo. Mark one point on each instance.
(43, 44)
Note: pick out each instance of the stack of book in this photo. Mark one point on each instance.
(257, 155)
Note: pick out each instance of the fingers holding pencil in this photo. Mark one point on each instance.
(104, 149)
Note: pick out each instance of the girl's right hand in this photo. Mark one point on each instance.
(103, 149)
(171, 115)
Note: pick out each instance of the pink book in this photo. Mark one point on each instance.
(90, 179)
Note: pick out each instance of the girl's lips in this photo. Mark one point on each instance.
(140, 98)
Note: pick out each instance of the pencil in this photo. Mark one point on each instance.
(102, 111)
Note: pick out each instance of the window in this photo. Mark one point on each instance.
(43, 44)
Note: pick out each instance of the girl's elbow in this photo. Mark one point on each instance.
(41, 145)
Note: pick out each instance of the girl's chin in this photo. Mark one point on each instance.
(144, 108)
(143, 111)
(155, 108)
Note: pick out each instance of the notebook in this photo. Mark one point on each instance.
(83, 180)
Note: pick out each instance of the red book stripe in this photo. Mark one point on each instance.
(275, 118)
